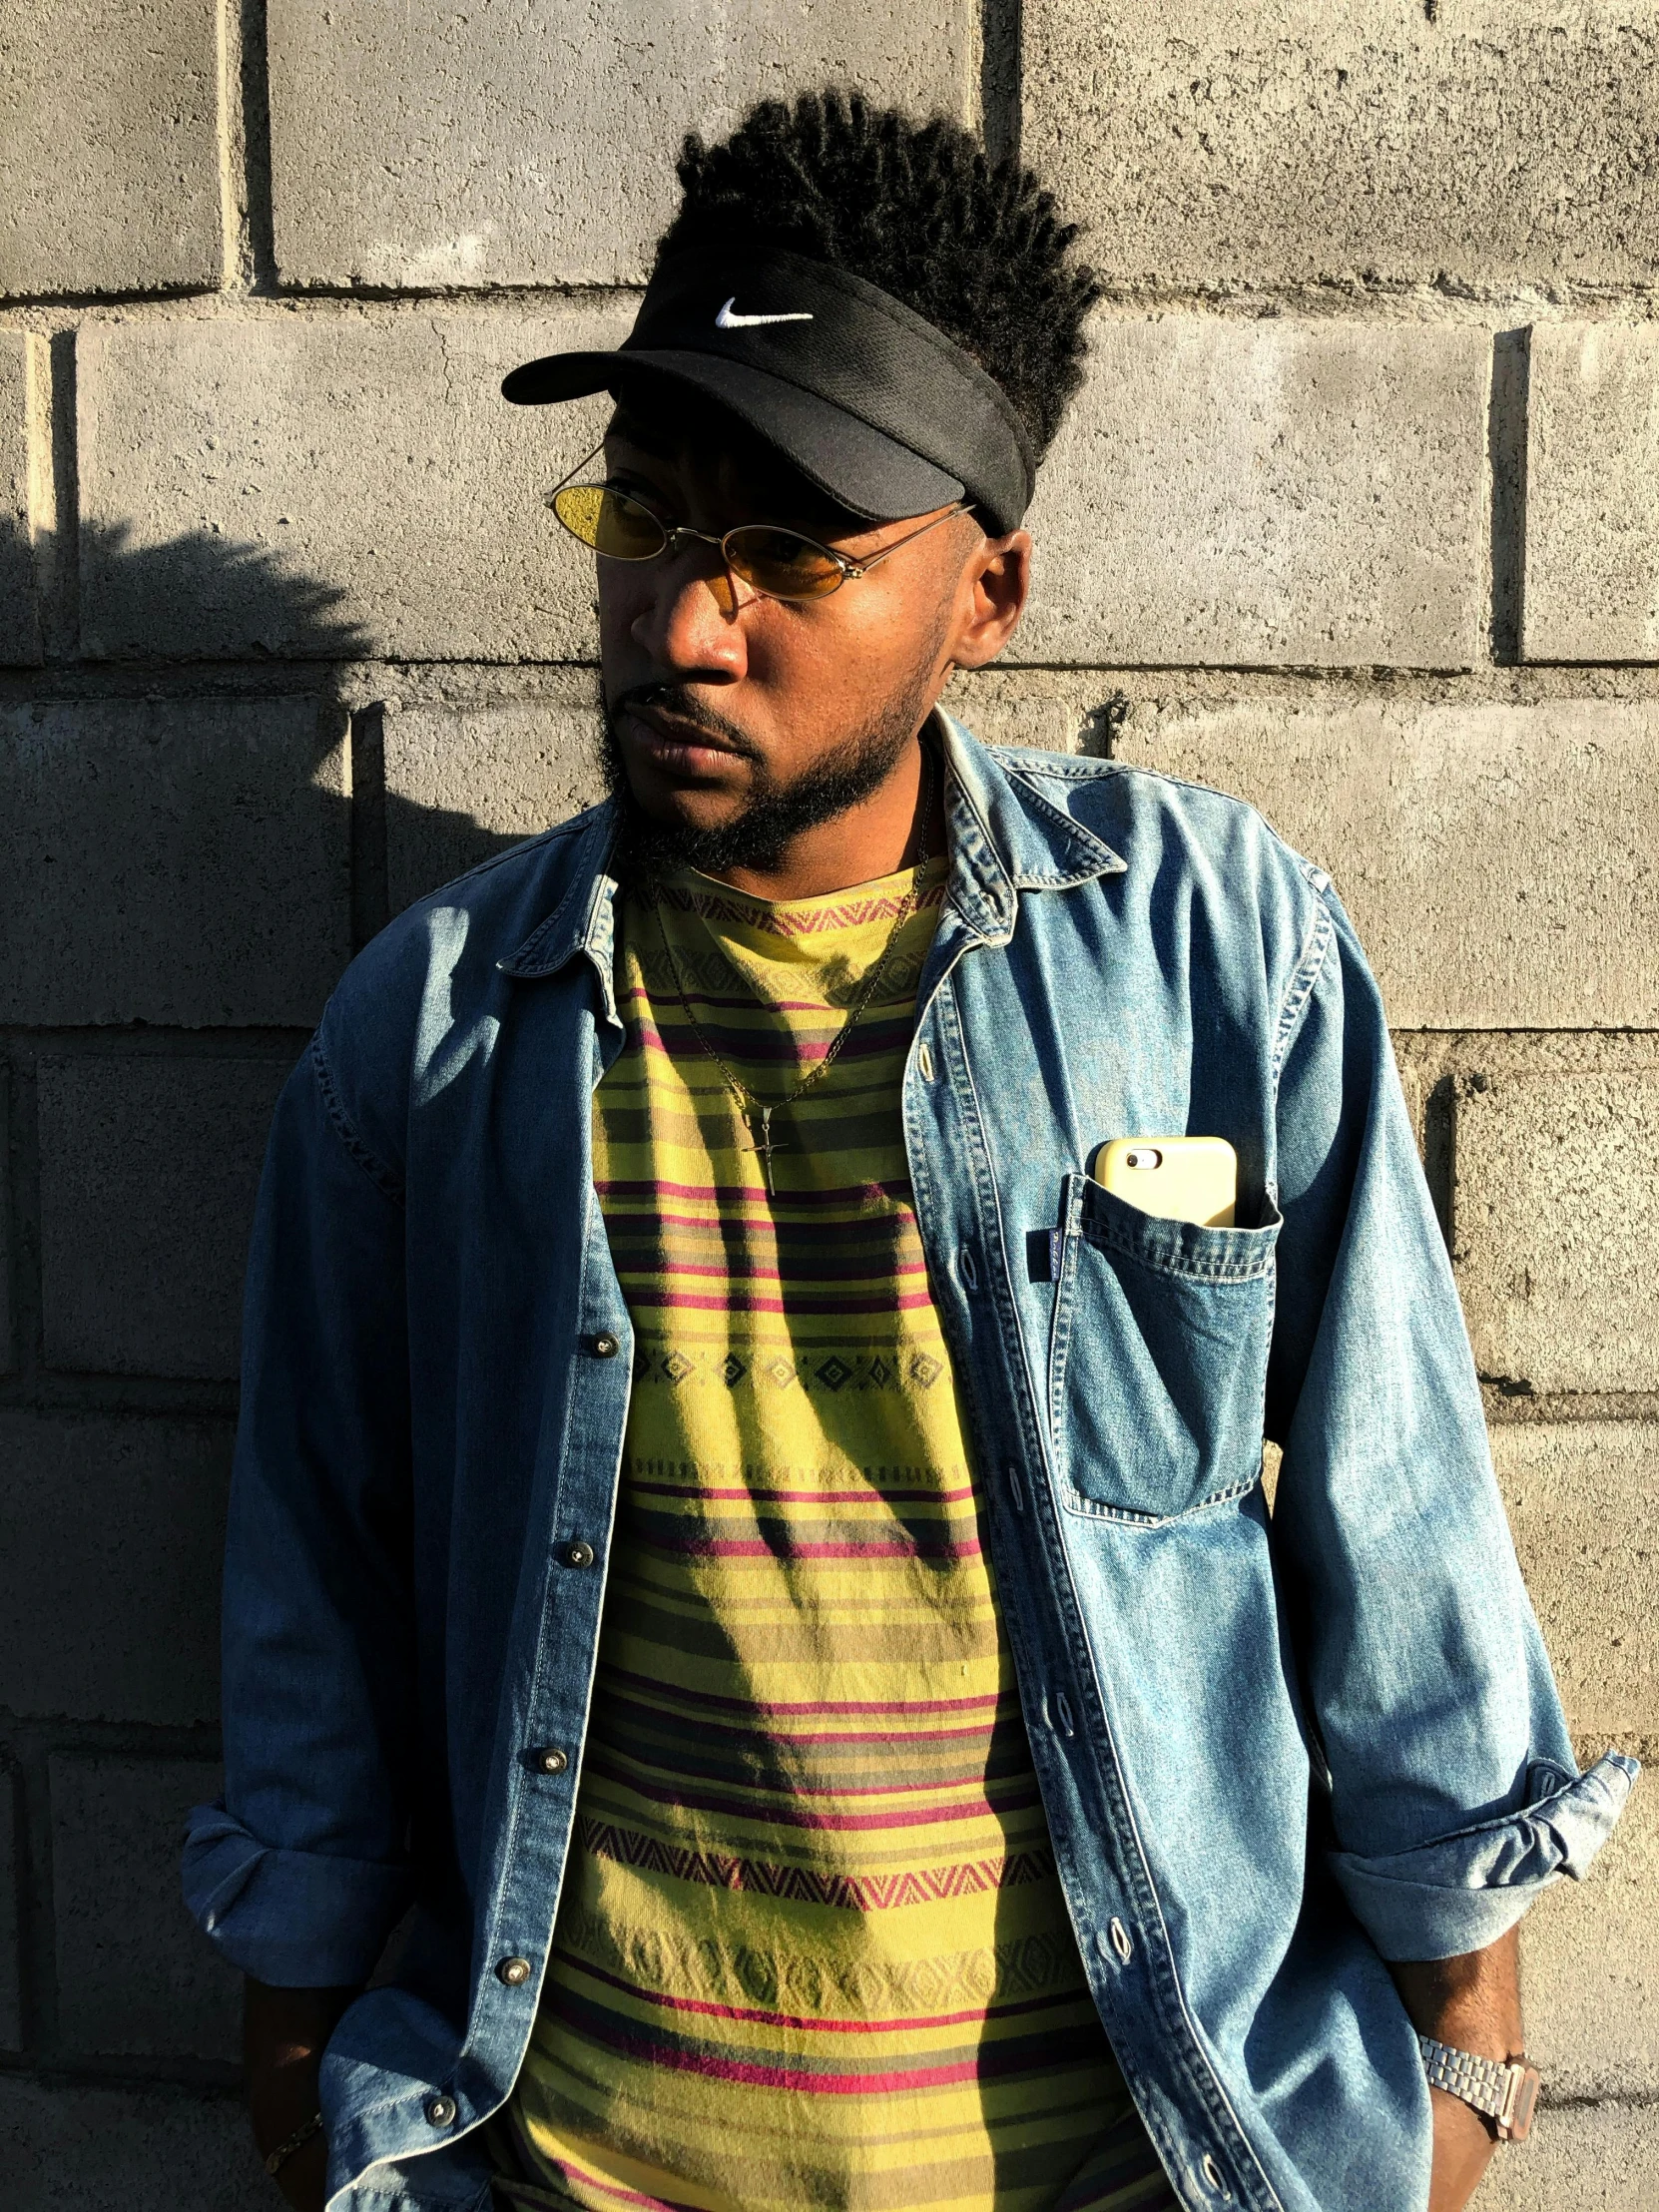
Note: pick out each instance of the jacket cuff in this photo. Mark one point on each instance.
(1463, 1891)
(298, 1920)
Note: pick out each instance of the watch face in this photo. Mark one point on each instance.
(1522, 2105)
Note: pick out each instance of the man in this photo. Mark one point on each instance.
(733, 1524)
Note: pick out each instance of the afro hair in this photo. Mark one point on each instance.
(976, 248)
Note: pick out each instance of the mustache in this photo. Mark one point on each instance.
(683, 703)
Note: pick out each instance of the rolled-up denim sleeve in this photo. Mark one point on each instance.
(299, 1872)
(1454, 1794)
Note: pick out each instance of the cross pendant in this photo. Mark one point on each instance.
(759, 1119)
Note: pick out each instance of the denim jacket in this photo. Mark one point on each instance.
(1275, 1746)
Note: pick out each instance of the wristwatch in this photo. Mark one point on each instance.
(1507, 2094)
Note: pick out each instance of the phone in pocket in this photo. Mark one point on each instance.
(1179, 1178)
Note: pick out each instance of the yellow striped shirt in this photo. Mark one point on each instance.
(812, 1948)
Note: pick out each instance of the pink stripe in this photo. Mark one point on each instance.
(980, 1733)
(814, 2084)
(613, 2189)
(689, 1301)
(773, 1816)
(711, 1224)
(740, 1268)
(836, 1705)
(807, 1498)
(806, 1050)
(709, 2010)
(734, 1547)
(636, 995)
(843, 1194)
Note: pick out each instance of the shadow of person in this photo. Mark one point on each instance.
(213, 829)
(184, 844)
(204, 596)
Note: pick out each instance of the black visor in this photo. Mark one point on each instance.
(869, 401)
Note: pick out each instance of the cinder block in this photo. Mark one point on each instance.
(532, 145)
(1496, 860)
(111, 1537)
(1582, 1500)
(1260, 493)
(1057, 708)
(8, 1345)
(1581, 2158)
(11, 1965)
(1590, 1966)
(135, 1978)
(1218, 140)
(172, 860)
(1555, 1218)
(1592, 523)
(19, 607)
(463, 783)
(329, 483)
(148, 1174)
(109, 148)
(149, 2149)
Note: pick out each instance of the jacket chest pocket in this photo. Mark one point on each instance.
(1156, 1359)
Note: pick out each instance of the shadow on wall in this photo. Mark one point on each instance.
(189, 849)
(188, 854)
(238, 591)
(238, 802)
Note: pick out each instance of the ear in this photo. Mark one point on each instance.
(992, 596)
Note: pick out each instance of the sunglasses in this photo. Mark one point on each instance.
(775, 561)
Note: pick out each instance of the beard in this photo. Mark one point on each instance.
(759, 834)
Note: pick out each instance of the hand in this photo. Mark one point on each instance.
(1464, 2141)
(283, 2035)
(1472, 2002)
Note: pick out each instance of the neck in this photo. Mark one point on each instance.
(879, 836)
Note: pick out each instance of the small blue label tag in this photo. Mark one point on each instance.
(1042, 1255)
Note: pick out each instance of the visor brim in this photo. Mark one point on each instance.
(860, 468)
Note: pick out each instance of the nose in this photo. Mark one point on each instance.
(689, 623)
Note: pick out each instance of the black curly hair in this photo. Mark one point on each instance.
(977, 246)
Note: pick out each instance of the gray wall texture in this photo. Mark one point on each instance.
(1359, 516)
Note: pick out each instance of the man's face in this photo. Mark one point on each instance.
(721, 703)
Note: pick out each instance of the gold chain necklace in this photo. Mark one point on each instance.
(757, 1117)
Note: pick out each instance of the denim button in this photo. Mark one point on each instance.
(1120, 1941)
(1212, 2174)
(604, 1345)
(513, 1971)
(549, 1758)
(578, 1555)
(1062, 1713)
(925, 1061)
(441, 2111)
(967, 1267)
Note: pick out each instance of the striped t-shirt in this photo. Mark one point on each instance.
(812, 1949)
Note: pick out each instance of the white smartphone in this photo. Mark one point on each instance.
(1179, 1178)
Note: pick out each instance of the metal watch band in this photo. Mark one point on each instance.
(280, 2157)
(1505, 2094)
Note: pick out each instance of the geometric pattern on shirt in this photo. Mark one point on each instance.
(855, 1892)
(822, 1368)
(1024, 1967)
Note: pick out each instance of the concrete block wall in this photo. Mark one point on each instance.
(1357, 517)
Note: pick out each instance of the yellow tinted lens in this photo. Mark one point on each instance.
(609, 521)
(782, 563)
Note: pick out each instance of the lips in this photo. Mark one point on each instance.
(677, 747)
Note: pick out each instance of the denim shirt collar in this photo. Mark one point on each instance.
(1005, 837)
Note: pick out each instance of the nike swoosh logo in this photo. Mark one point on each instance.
(727, 321)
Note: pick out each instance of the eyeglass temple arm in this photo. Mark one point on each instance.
(854, 569)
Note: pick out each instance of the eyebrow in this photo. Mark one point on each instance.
(824, 517)
(624, 425)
